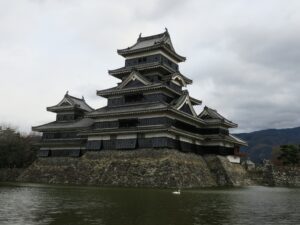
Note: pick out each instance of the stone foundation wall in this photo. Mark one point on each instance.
(281, 176)
(226, 173)
(287, 176)
(139, 168)
(270, 175)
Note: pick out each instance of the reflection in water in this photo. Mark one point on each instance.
(48, 204)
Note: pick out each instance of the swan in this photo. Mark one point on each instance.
(176, 192)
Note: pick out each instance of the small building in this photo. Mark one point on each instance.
(149, 108)
(248, 164)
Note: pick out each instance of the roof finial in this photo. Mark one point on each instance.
(67, 93)
(166, 29)
(82, 97)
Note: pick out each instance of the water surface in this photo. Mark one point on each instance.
(51, 204)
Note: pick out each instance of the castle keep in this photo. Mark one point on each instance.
(149, 108)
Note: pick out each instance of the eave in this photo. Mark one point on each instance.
(186, 133)
(121, 131)
(41, 129)
(217, 122)
(62, 108)
(237, 140)
(64, 126)
(226, 138)
(115, 91)
(121, 113)
(64, 143)
(111, 92)
(187, 116)
(120, 72)
(128, 52)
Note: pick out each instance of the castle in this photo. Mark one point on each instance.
(149, 108)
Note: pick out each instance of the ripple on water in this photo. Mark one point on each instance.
(47, 204)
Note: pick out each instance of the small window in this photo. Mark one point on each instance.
(133, 98)
(142, 59)
(123, 123)
(65, 117)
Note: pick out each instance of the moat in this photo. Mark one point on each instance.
(23, 203)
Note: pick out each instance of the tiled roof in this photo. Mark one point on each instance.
(152, 42)
(237, 140)
(117, 90)
(187, 80)
(144, 42)
(177, 102)
(82, 123)
(81, 103)
(127, 109)
(146, 66)
(134, 75)
(70, 102)
(212, 115)
(183, 99)
(227, 138)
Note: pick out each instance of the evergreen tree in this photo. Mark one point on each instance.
(290, 154)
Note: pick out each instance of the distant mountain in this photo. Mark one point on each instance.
(262, 142)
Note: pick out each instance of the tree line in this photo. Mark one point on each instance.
(17, 150)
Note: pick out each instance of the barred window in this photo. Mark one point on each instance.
(123, 123)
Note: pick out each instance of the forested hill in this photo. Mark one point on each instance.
(261, 142)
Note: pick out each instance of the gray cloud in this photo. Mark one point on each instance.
(242, 56)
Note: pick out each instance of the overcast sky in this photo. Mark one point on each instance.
(243, 56)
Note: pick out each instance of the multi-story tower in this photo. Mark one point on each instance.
(151, 107)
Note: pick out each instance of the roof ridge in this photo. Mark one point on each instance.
(139, 104)
(160, 35)
(158, 41)
(80, 99)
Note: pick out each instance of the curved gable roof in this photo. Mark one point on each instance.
(162, 40)
(70, 102)
(134, 75)
(183, 100)
(212, 115)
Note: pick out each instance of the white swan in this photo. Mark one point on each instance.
(176, 192)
